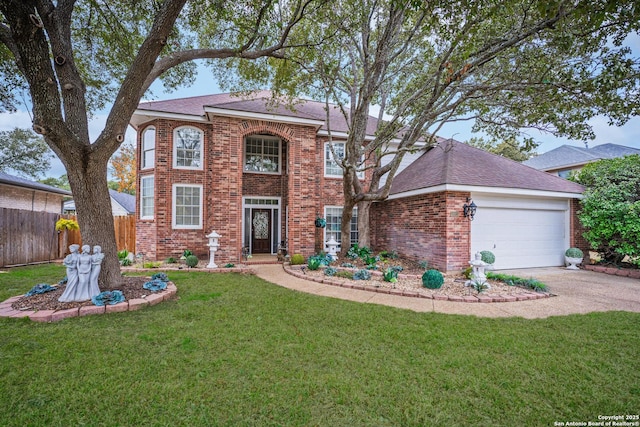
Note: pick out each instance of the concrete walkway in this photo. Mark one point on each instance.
(577, 292)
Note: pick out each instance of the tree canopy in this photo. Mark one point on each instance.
(510, 148)
(23, 152)
(611, 207)
(123, 168)
(509, 66)
(73, 57)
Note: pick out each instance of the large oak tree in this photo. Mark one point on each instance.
(507, 65)
(73, 57)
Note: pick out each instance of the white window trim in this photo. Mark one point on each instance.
(175, 148)
(142, 195)
(360, 174)
(244, 154)
(143, 151)
(173, 208)
(326, 232)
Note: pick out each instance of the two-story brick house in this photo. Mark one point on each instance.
(259, 176)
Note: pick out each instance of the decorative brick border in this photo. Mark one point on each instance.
(413, 294)
(57, 315)
(623, 272)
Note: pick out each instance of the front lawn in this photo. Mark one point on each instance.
(235, 350)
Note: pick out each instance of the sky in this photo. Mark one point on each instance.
(628, 135)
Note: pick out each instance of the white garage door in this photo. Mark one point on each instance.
(521, 232)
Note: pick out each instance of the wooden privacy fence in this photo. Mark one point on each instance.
(28, 237)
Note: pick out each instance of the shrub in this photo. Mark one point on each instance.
(347, 265)
(192, 261)
(314, 263)
(322, 258)
(66, 224)
(432, 279)
(160, 276)
(356, 251)
(186, 253)
(390, 275)
(531, 283)
(344, 274)
(151, 264)
(488, 257)
(330, 271)
(573, 253)
(467, 272)
(229, 265)
(479, 285)
(171, 260)
(423, 265)
(123, 257)
(123, 254)
(297, 259)
(610, 207)
(362, 275)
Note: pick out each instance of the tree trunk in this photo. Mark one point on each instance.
(345, 227)
(364, 232)
(93, 206)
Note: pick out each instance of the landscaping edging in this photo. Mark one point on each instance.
(48, 316)
(527, 296)
(614, 271)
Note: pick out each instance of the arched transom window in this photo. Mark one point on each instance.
(187, 148)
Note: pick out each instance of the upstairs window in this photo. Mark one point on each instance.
(331, 166)
(148, 148)
(262, 154)
(187, 148)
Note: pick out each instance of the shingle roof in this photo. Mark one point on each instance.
(258, 103)
(453, 162)
(568, 155)
(5, 178)
(127, 201)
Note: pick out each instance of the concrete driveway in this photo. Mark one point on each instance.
(576, 292)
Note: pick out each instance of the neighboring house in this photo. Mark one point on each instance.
(20, 193)
(122, 204)
(564, 160)
(259, 176)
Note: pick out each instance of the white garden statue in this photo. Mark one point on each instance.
(82, 273)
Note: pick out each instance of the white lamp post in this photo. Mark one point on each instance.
(332, 245)
(213, 247)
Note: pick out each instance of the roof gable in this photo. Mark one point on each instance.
(455, 163)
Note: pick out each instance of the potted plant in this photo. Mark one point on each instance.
(573, 256)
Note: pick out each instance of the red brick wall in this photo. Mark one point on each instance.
(224, 184)
(577, 230)
(428, 227)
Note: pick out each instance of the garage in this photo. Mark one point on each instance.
(521, 232)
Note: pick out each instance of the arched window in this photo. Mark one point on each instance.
(187, 148)
(148, 148)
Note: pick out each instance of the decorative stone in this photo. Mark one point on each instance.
(42, 316)
(91, 309)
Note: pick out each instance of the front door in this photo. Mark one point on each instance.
(261, 231)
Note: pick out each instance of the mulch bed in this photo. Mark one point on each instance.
(131, 287)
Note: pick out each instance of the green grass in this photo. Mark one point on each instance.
(237, 351)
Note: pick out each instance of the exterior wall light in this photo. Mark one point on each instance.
(469, 209)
